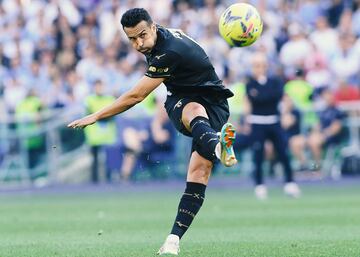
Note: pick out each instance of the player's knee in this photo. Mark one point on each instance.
(191, 111)
(194, 108)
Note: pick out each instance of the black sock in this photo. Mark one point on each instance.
(189, 206)
(205, 137)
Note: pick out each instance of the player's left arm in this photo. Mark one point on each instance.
(134, 96)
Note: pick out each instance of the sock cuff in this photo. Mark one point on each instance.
(193, 187)
(199, 119)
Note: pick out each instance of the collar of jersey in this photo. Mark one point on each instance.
(160, 38)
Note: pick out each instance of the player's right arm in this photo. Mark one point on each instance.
(134, 96)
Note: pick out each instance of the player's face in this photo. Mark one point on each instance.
(142, 36)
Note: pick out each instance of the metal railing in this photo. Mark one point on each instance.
(55, 153)
(63, 145)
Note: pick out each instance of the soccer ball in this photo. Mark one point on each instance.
(240, 25)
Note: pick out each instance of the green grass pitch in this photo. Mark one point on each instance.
(324, 222)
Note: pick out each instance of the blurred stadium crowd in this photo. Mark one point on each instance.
(57, 51)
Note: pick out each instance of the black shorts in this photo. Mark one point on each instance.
(217, 110)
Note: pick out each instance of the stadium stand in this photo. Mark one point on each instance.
(57, 50)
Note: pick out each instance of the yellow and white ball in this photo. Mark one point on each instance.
(240, 25)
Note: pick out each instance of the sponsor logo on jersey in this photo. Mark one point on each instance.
(152, 69)
(159, 56)
(162, 70)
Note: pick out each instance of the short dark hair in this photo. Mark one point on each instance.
(134, 16)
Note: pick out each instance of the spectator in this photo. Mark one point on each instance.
(345, 63)
(329, 131)
(14, 93)
(324, 37)
(100, 134)
(301, 92)
(345, 92)
(291, 119)
(78, 88)
(294, 52)
(55, 96)
(28, 124)
(150, 146)
(334, 12)
(309, 11)
(317, 70)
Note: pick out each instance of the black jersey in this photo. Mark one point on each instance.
(184, 65)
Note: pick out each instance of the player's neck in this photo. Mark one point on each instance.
(156, 36)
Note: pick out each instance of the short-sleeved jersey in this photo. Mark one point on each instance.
(329, 115)
(184, 65)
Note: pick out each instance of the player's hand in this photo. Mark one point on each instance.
(83, 122)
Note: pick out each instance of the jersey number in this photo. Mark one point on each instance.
(179, 34)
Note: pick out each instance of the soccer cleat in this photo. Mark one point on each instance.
(227, 138)
(292, 189)
(170, 246)
(261, 192)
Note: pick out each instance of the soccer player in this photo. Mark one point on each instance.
(196, 104)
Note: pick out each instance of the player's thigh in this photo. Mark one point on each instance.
(216, 111)
(174, 106)
(199, 169)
